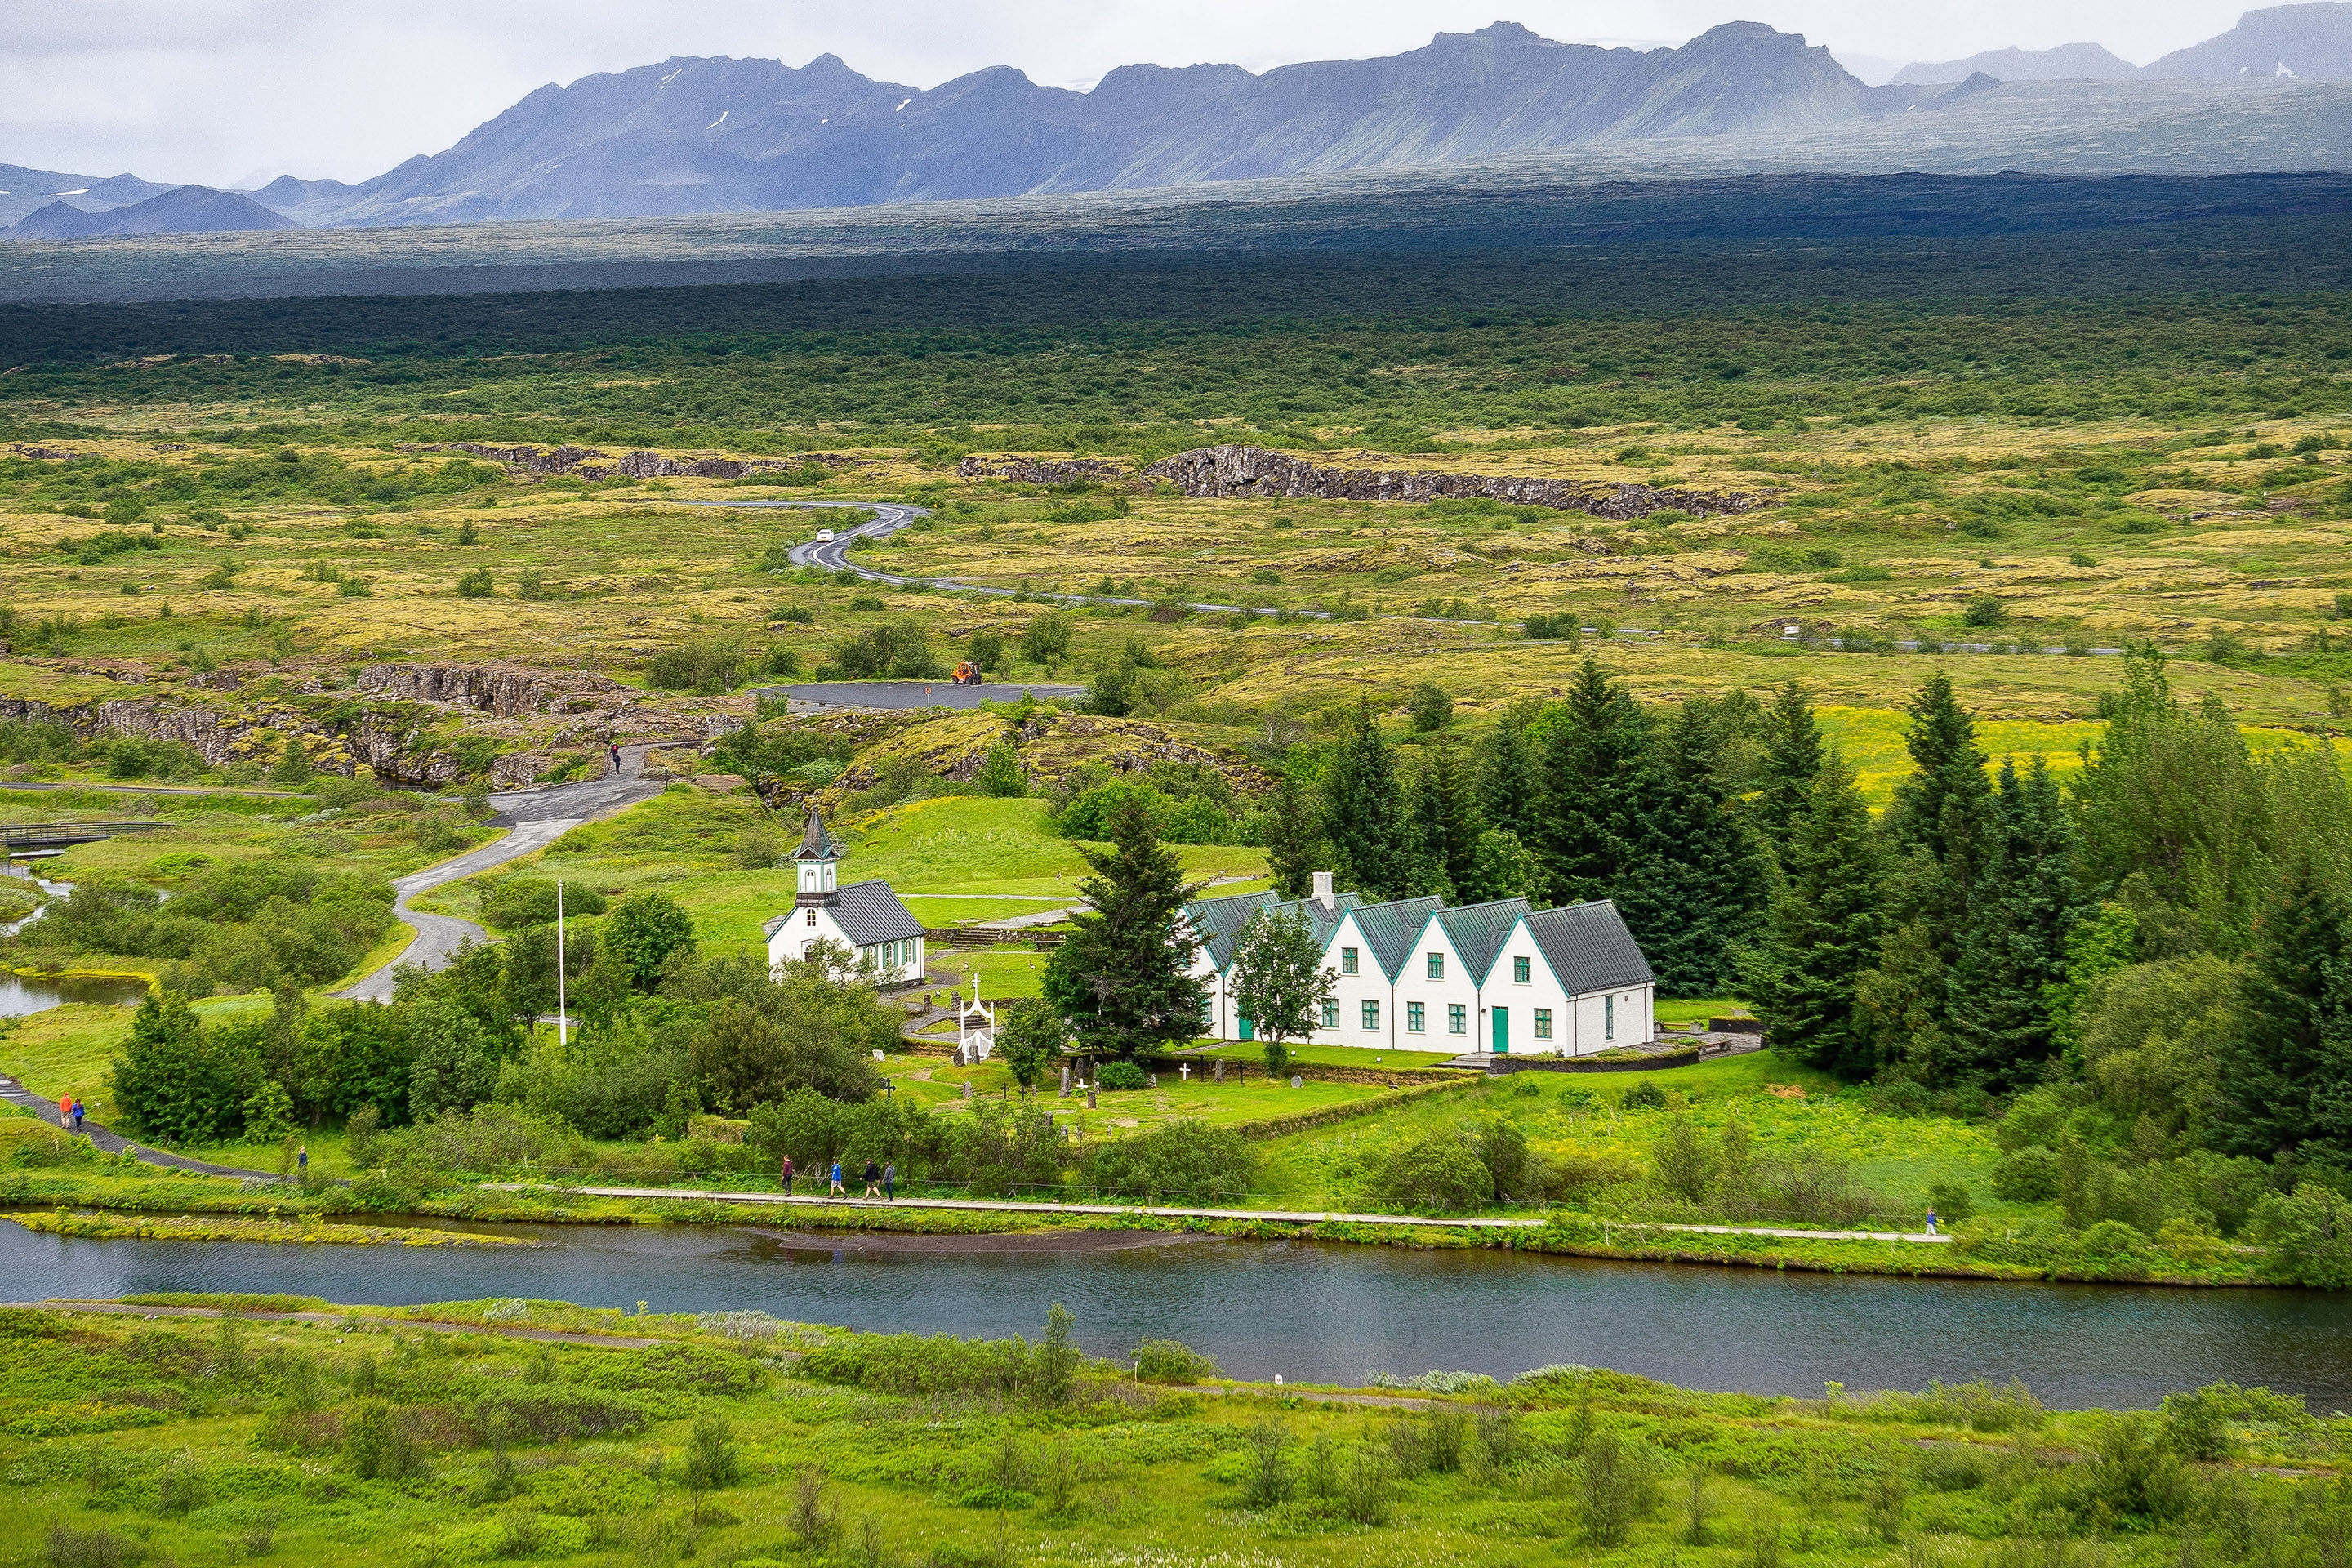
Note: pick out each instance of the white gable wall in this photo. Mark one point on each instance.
(894, 963)
(1542, 991)
(1366, 985)
(1455, 987)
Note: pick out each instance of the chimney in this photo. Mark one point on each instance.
(1323, 894)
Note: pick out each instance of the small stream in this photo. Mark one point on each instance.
(1324, 1312)
(23, 994)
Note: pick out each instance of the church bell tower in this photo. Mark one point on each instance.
(817, 861)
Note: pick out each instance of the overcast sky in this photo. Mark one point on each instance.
(234, 92)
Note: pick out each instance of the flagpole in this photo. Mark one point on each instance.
(559, 964)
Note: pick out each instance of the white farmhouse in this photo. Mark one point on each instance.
(1412, 974)
(865, 917)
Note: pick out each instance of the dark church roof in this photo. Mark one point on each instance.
(816, 843)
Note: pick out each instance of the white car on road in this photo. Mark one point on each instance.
(824, 536)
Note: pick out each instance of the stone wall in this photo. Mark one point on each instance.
(508, 691)
(588, 463)
(1245, 471)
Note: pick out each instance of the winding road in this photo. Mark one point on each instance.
(533, 818)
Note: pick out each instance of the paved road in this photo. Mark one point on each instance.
(888, 518)
(15, 1093)
(533, 819)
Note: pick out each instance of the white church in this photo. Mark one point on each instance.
(865, 917)
(1501, 978)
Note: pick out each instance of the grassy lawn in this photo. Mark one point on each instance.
(1686, 1010)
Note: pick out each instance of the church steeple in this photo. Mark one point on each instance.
(817, 860)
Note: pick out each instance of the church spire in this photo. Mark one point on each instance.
(816, 862)
(816, 843)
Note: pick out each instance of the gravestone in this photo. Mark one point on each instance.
(1297, 1082)
(1090, 1095)
(967, 1092)
(1221, 1070)
(1065, 1080)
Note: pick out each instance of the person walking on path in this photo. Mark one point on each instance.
(1931, 1220)
(65, 1112)
(838, 1190)
(79, 1111)
(616, 759)
(873, 1179)
(890, 1182)
(788, 1175)
(302, 1165)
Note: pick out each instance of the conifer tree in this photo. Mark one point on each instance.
(1588, 757)
(2285, 1072)
(1822, 932)
(1294, 840)
(1119, 981)
(1507, 778)
(1692, 880)
(1943, 809)
(2014, 951)
(1446, 825)
(1793, 757)
(1364, 818)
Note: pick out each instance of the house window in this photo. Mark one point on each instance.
(812, 917)
(1437, 966)
(1417, 1018)
(1609, 1017)
(1371, 1015)
(1521, 972)
(1458, 1018)
(1543, 1023)
(1347, 961)
(1330, 1015)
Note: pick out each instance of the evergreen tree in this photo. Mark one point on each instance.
(1446, 825)
(1793, 759)
(2285, 1072)
(1693, 881)
(1944, 807)
(1295, 850)
(1591, 749)
(2172, 796)
(1364, 817)
(1823, 930)
(2014, 948)
(1119, 981)
(1507, 778)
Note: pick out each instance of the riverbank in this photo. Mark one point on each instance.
(482, 1429)
(309, 1229)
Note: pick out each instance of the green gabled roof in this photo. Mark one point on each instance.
(1390, 929)
(1478, 932)
(1217, 923)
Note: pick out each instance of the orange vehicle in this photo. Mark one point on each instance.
(966, 674)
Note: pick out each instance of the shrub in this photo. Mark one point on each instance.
(1984, 610)
(899, 649)
(1430, 707)
(1644, 1096)
(2308, 1234)
(476, 583)
(706, 665)
(644, 930)
(1171, 1361)
(1120, 1075)
(555, 1413)
(2026, 1176)
(517, 902)
(1951, 1201)
(1185, 1158)
(1438, 1171)
(1001, 774)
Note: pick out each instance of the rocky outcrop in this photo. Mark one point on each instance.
(588, 463)
(1244, 471)
(1043, 470)
(506, 691)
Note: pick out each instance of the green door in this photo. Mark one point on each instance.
(1502, 1031)
(1249, 1029)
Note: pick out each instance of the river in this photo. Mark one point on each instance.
(1322, 1312)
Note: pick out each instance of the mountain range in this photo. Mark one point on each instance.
(708, 136)
(2303, 43)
